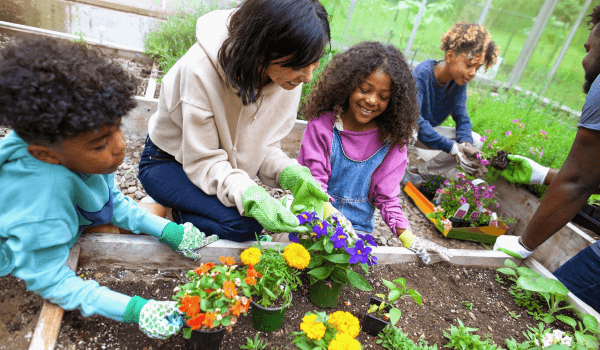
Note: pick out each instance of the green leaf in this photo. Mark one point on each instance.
(548, 319)
(510, 263)
(557, 347)
(395, 315)
(338, 258)
(400, 281)
(226, 321)
(328, 246)
(372, 308)
(321, 272)
(358, 281)
(204, 304)
(394, 295)
(316, 246)
(187, 333)
(568, 320)
(507, 271)
(269, 293)
(315, 261)
(590, 322)
(339, 275)
(381, 296)
(416, 296)
(389, 284)
(525, 271)
(542, 284)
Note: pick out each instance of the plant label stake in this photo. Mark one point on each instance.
(475, 215)
(462, 211)
(494, 220)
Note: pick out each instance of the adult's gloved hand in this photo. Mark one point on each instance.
(422, 246)
(511, 246)
(308, 194)
(186, 239)
(461, 151)
(524, 171)
(270, 212)
(156, 319)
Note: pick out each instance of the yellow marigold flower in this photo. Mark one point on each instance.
(345, 323)
(296, 256)
(343, 341)
(251, 256)
(314, 330)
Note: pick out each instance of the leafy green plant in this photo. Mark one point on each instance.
(524, 298)
(256, 344)
(461, 338)
(514, 315)
(541, 338)
(393, 338)
(553, 291)
(432, 183)
(307, 88)
(467, 305)
(589, 325)
(395, 293)
(594, 200)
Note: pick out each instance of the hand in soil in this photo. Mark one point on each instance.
(524, 171)
(500, 161)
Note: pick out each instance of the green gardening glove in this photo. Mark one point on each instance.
(524, 171)
(186, 239)
(156, 319)
(511, 246)
(269, 212)
(308, 194)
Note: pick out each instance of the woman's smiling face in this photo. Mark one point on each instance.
(287, 77)
(367, 101)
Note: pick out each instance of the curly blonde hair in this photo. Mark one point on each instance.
(474, 41)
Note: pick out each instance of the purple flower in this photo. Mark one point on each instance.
(507, 133)
(476, 193)
(339, 238)
(485, 162)
(516, 121)
(367, 239)
(483, 138)
(490, 146)
(458, 187)
(486, 194)
(543, 132)
(320, 229)
(359, 253)
(293, 236)
(306, 217)
(488, 131)
(496, 141)
(478, 204)
(462, 200)
(498, 205)
(372, 260)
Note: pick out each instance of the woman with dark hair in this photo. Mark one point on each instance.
(223, 109)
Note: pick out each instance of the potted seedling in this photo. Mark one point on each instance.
(381, 313)
(430, 186)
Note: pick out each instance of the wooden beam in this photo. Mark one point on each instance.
(46, 331)
(571, 298)
(136, 252)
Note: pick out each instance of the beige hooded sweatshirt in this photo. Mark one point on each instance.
(221, 143)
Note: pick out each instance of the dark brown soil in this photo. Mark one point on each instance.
(500, 161)
(444, 288)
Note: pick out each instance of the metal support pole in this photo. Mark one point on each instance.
(484, 11)
(415, 27)
(565, 47)
(350, 9)
(531, 41)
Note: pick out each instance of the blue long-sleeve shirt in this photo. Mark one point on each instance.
(436, 103)
(43, 211)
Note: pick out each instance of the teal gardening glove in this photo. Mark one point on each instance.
(269, 212)
(186, 239)
(308, 194)
(156, 319)
(511, 246)
(524, 171)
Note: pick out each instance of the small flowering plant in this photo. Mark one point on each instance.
(395, 294)
(333, 252)
(334, 332)
(542, 338)
(273, 274)
(458, 191)
(215, 296)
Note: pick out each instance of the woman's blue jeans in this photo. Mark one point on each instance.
(581, 275)
(165, 181)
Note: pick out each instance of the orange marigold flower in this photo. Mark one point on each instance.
(209, 318)
(247, 305)
(238, 308)
(250, 280)
(196, 321)
(229, 289)
(190, 304)
(227, 260)
(204, 268)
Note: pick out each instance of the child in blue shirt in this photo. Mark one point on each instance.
(64, 103)
(442, 92)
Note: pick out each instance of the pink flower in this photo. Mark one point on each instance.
(458, 187)
(531, 150)
(546, 138)
(498, 205)
(478, 204)
(507, 133)
(496, 141)
(462, 200)
(516, 121)
(483, 138)
(543, 132)
(488, 131)
(522, 125)
(490, 146)
(541, 154)
(484, 162)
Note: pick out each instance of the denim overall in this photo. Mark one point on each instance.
(350, 182)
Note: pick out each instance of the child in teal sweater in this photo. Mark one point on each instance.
(64, 103)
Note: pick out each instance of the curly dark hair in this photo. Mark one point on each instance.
(473, 40)
(262, 31)
(594, 17)
(348, 69)
(52, 90)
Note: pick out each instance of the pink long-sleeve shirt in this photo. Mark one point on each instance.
(315, 153)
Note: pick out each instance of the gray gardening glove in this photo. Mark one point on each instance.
(421, 246)
(186, 239)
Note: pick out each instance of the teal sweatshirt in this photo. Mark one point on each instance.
(43, 210)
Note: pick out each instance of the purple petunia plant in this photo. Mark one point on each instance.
(334, 250)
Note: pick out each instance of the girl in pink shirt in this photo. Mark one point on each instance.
(360, 114)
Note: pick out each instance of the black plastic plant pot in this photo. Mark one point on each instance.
(427, 193)
(371, 324)
(456, 223)
(206, 340)
(266, 319)
(588, 217)
(325, 294)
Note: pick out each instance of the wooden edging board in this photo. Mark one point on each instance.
(141, 251)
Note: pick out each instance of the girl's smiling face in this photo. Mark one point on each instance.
(367, 101)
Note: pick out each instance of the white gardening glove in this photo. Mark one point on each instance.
(460, 152)
(511, 246)
(421, 246)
